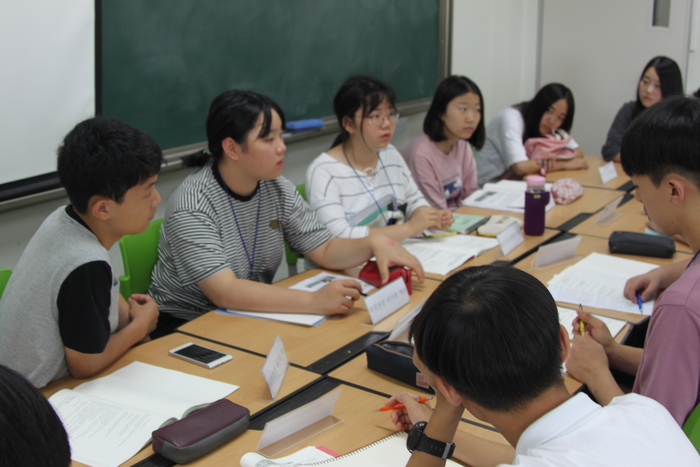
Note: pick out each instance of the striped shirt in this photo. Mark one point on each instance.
(341, 195)
(200, 238)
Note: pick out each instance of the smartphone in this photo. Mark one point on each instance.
(199, 355)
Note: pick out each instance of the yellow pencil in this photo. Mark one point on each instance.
(581, 324)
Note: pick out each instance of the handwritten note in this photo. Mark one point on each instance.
(275, 367)
(387, 300)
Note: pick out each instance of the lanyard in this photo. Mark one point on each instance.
(393, 207)
(693, 259)
(251, 259)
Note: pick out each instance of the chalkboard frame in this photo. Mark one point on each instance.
(41, 188)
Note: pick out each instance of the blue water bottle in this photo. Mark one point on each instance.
(536, 200)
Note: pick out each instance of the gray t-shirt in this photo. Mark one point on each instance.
(201, 236)
(61, 294)
(611, 148)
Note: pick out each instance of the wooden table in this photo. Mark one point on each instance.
(304, 345)
(632, 219)
(591, 176)
(243, 371)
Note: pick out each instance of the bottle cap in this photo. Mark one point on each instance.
(535, 180)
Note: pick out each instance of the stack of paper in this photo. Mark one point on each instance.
(441, 255)
(599, 281)
(506, 195)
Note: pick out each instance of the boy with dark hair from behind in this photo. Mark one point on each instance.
(489, 340)
(661, 154)
(61, 312)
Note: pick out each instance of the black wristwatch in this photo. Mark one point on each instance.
(418, 441)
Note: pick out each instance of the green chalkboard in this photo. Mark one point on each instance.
(163, 61)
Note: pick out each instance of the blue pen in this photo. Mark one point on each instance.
(639, 302)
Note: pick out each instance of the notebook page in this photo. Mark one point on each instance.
(567, 316)
(156, 389)
(387, 452)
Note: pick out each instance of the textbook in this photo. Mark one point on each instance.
(387, 452)
(441, 255)
(110, 419)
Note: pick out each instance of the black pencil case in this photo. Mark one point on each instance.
(633, 243)
(395, 359)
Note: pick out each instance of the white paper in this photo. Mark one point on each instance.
(387, 300)
(304, 456)
(320, 280)
(599, 281)
(607, 172)
(103, 433)
(567, 316)
(275, 367)
(305, 319)
(442, 255)
(506, 195)
(510, 238)
(148, 387)
(298, 419)
(405, 322)
(557, 251)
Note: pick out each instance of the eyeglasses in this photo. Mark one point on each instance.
(378, 120)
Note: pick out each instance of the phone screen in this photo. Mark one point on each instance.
(199, 353)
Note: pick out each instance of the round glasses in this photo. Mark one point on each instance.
(378, 120)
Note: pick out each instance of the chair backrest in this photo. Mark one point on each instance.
(139, 255)
(691, 427)
(4, 277)
(290, 257)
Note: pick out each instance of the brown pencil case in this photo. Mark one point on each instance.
(201, 432)
(395, 359)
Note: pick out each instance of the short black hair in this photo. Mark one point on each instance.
(449, 88)
(106, 157)
(492, 332)
(360, 92)
(670, 79)
(233, 114)
(664, 139)
(532, 111)
(30, 431)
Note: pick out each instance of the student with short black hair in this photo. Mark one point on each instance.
(362, 185)
(61, 312)
(504, 154)
(31, 434)
(441, 159)
(489, 340)
(661, 154)
(225, 226)
(661, 78)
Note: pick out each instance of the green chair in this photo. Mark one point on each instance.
(139, 255)
(691, 428)
(291, 257)
(4, 277)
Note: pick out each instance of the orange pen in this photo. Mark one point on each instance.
(420, 400)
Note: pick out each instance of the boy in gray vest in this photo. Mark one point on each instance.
(61, 312)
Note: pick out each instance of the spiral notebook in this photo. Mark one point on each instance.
(387, 452)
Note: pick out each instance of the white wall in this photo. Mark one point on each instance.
(598, 49)
(692, 80)
(494, 43)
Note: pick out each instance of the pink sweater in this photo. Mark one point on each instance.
(444, 179)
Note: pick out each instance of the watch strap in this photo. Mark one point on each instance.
(431, 446)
